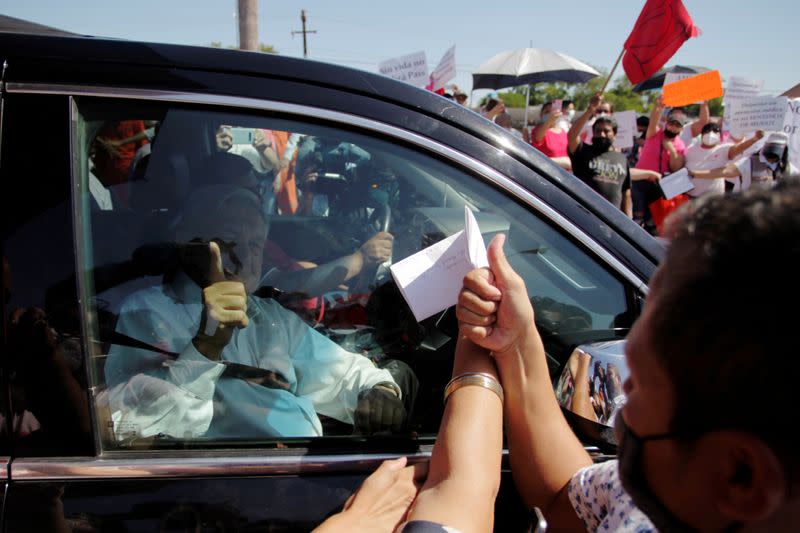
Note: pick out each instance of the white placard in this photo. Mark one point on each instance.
(411, 68)
(672, 77)
(759, 113)
(626, 129)
(792, 128)
(676, 183)
(444, 71)
(741, 88)
(431, 279)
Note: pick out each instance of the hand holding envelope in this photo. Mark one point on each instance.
(431, 279)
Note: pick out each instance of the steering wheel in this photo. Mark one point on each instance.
(381, 218)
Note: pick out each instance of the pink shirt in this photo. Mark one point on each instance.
(553, 145)
(652, 152)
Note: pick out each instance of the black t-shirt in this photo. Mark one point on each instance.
(607, 173)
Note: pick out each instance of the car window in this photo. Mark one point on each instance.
(236, 268)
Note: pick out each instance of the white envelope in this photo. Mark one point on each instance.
(431, 279)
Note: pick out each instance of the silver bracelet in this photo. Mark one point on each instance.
(480, 379)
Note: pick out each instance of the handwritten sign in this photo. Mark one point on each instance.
(701, 87)
(740, 88)
(792, 128)
(431, 279)
(626, 129)
(444, 71)
(759, 113)
(411, 68)
(672, 77)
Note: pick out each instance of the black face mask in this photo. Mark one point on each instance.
(670, 134)
(601, 144)
(631, 474)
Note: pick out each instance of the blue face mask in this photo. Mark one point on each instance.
(544, 118)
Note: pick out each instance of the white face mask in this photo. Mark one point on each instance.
(570, 114)
(711, 138)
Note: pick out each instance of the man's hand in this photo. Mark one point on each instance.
(224, 308)
(595, 102)
(383, 500)
(759, 135)
(379, 409)
(667, 145)
(378, 249)
(493, 308)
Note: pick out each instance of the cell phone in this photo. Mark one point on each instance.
(557, 105)
(242, 135)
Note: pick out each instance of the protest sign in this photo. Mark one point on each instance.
(626, 129)
(759, 113)
(739, 88)
(792, 128)
(411, 68)
(444, 71)
(676, 183)
(431, 279)
(672, 77)
(699, 88)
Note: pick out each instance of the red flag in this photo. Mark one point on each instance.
(662, 27)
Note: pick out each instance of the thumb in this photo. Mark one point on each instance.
(215, 272)
(498, 263)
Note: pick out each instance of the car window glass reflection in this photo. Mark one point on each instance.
(241, 282)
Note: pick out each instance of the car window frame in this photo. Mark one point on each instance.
(367, 126)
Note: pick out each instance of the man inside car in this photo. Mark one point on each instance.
(214, 361)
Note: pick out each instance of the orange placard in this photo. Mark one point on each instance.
(705, 86)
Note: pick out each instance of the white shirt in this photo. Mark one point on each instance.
(599, 500)
(699, 158)
(187, 396)
(745, 181)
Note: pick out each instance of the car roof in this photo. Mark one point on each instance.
(46, 45)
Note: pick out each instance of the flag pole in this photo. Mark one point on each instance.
(619, 58)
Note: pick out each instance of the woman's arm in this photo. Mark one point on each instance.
(545, 454)
(728, 171)
(464, 472)
(655, 115)
(639, 174)
(739, 148)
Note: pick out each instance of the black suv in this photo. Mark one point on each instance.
(112, 420)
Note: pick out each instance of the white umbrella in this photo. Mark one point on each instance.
(530, 65)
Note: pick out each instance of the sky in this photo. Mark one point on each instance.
(740, 38)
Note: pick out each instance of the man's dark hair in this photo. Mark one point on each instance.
(565, 103)
(725, 327)
(643, 121)
(605, 120)
(710, 126)
(225, 168)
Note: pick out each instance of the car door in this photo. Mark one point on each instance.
(97, 240)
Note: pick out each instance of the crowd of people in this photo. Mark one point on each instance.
(667, 141)
(692, 456)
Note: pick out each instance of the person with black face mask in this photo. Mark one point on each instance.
(693, 455)
(600, 165)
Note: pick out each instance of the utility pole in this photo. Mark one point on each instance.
(304, 32)
(248, 24)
